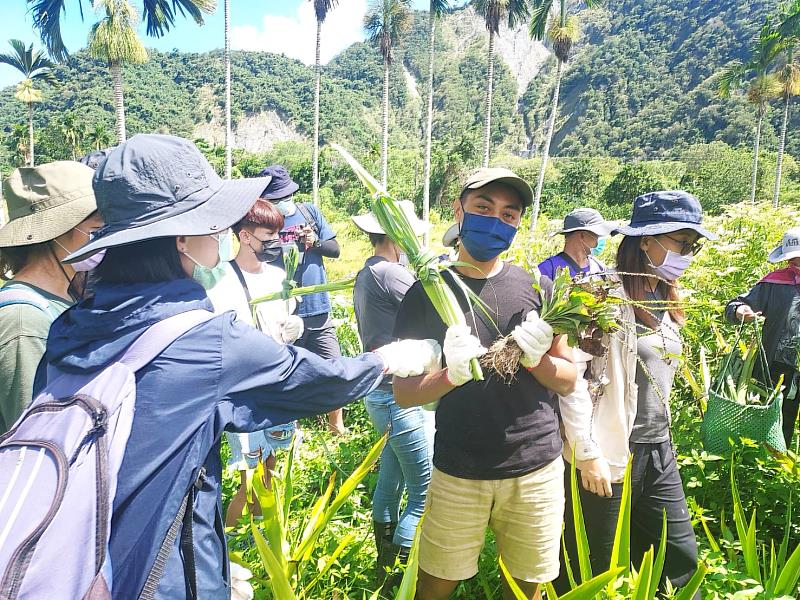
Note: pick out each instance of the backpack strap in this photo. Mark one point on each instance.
(18, 294)
(301, 206)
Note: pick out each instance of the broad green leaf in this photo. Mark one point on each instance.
(364, 176)
(641, 589)
(658, 564)
(273, 521)
(688, 591)
(582, 540)
(512, 585)
(408, 585)
(588, 590)
(789, 575)
(281, 588)
(312, 530)
(621, 551)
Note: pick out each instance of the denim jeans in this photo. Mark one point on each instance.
(405, 463)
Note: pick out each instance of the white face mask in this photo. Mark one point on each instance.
(673, 265)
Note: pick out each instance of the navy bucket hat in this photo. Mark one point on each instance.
(156, 186)
(662, 212)
(281, 184)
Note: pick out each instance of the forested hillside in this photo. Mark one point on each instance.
(641, 84)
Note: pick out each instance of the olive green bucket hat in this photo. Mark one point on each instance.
(45, 202)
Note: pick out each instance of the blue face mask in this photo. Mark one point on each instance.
(601, 244)
(485, 237)
(208, 277)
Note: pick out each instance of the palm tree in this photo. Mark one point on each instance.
(114, 39)
(762, 85)
(436, 9)
(100, 137)
(321, 9)
(228, 131)
(73, 132)
(159, 15)
(493, 13)
(562, 34)
(789, 76)
(386, 22)
(35, 66)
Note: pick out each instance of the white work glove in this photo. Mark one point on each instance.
(409, 358)
(290, 328)
(460, 347)
(241, 589)
(534, 337)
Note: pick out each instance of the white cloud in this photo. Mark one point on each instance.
(295, 35)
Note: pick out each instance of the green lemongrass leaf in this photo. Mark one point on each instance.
(273, 519)
(641, 588)
(408, 585)
(588, 590)
(329, 562)
(784, 547)
(689, 591)
(331, 286)
(746, 534)
(512, 585)
(581, 539)
(287, 477)
(712, 541)
(789, 575)
(621, 551)
(363, 175)
(278, 581)
(303, 551)
(661, 555)
(311, 531)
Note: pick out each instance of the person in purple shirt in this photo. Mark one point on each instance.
(585, 232)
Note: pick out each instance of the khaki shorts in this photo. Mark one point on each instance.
(525, 514)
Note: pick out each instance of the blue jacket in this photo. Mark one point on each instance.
(221, 375)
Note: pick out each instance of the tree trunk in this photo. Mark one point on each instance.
(30, 134)
(315, 157)
(781, 147)
(487, 128)
(754, 178)
(385, 144)
(426, 193)
(119, 100)
(551, 125)
(228, 130)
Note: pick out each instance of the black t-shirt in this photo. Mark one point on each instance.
(488, 429)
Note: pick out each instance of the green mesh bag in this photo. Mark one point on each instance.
(726, 419)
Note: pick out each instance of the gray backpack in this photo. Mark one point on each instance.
(58, 477)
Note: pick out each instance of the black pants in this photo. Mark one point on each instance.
(656, 486)
(790, 400)
(319, 336)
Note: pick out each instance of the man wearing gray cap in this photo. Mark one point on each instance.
(585, 232)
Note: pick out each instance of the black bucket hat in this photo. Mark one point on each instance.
(281, 184)
(156, 186)
(662, 212)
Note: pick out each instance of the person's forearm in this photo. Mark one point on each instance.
(417, 391)
(328, 249)
(557, 374)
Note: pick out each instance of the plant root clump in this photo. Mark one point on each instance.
(503, 358)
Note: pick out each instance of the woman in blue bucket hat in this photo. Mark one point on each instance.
(166, 238)
(622, 409)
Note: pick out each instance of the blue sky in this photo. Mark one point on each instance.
(285, 26)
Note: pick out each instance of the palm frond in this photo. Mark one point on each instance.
(563, 37)
(764, 88)
(46, 16)
(440, 7)
(33, 64)
(495, 12)
(386, 22)
(160, 15)
(731, 78)
(323, 7)
(539, 17)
